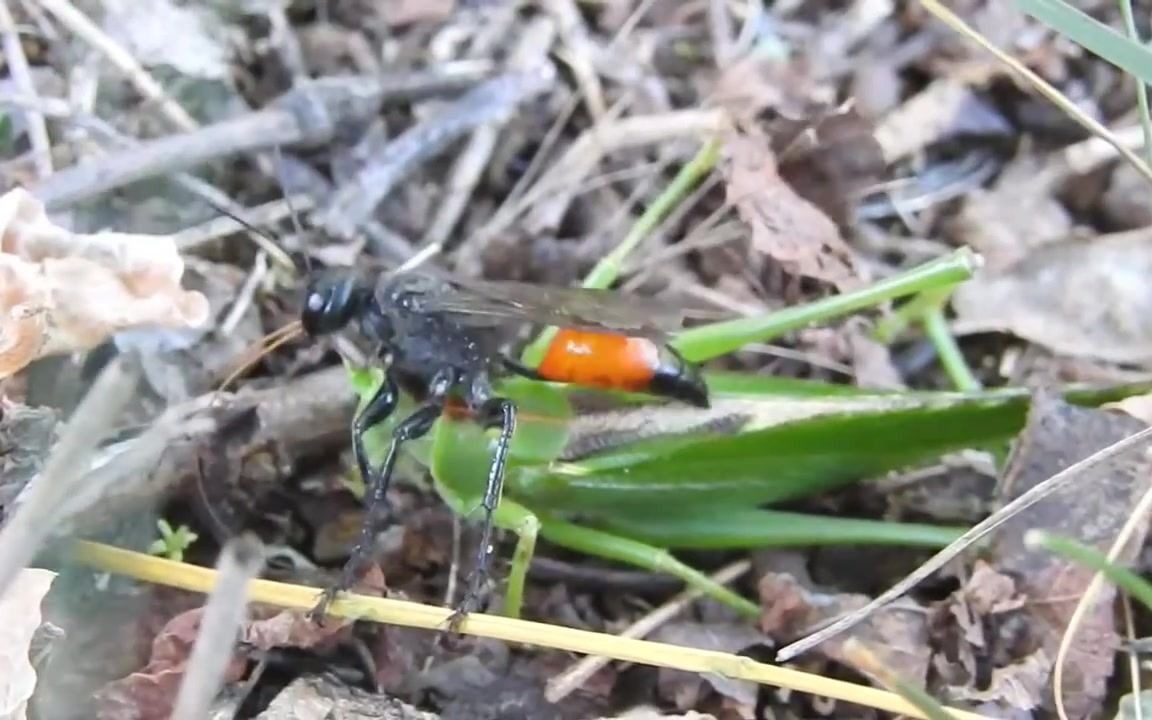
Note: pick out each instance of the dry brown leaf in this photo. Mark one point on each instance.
(20, 608)
(1057, 435)
(1014, 217)
(785, 226)
(828, 158)
(757, 82)
(150, 692)
(405, 12)
(64, 292)
(652, 713)
(684, 688)
(1081, 298)
(1138, 406)
(898, 634)
(944, 109)
(319, 697)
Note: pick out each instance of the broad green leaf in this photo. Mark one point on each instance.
(828, 443)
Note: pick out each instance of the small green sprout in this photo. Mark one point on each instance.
(172, 543)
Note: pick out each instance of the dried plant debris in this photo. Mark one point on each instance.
(684, 689)
(64, 292)
(897, 634)
(151, 691)
(1012, 617)
(318, 697)
(1086, 298)
(1017, 215)
(786, 227)
(20, 608)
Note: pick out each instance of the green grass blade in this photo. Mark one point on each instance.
(750, 527)
(1109, 44)
(1081, 554)
(622, 549)
(709, 341)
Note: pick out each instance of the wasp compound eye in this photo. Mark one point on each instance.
(329, 305)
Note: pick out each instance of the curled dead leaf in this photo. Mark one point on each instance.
(20, 606)
(785, 226)
(64, 292)
(1085, 298)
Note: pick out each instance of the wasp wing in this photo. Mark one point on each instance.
(486, 302)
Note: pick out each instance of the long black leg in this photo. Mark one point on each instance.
(377, 481)
(501, 413)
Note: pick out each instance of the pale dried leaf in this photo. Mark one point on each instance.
(898, 634)
(1014, 217)
(1138, 406)
(1020, 685)
(645, 712)
(1093, 512)
(944, 109)
(404, 12)
(20, 608)
(64, 292)
(1087, 299)
(186, 38)
(1127, 710)
(785, 226)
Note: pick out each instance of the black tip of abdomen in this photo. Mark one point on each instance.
(681, 382)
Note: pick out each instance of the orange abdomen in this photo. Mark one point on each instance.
(602, 360)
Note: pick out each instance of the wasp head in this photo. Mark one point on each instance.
(331, 302)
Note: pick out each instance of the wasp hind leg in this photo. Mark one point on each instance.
(377, 481)
(496, 413)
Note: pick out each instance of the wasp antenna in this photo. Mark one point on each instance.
(277, 167)
(267, 242)
(267, 345)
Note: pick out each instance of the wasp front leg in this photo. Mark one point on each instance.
(377, 481)
(501, 413)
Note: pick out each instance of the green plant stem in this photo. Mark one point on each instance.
(752, 527)
(710, 341)
(608, 269)
(908, 314)
(1141, 87)
(615, 547)
(1124, 578)
(952, 360)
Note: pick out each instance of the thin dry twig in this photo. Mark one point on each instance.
(240, 560)
(494, 101)
(37, 517)
(957, 23)
(269, 213)
(571, 679)
(470, 164)
(574, 33)
(585, 153)
(289, 120)
(942, 558)
(1087, 599)
(247, 292)
(1133, 661)
(79, 23)
(22, 79)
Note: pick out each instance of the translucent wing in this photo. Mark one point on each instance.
(484, 302)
